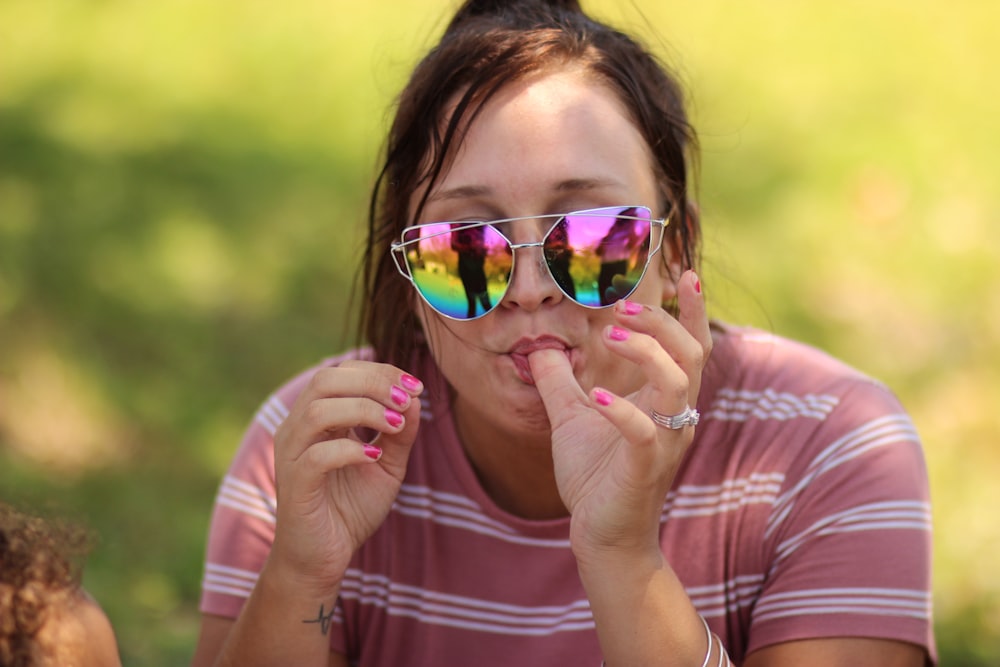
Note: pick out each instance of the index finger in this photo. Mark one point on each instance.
(554, 379)
(693, 313)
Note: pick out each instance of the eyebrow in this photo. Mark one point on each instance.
(461, 192)
(569, 185)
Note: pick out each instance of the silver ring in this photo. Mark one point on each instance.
(689, 417)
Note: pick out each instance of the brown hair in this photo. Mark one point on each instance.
(488, 44)
(39, 560)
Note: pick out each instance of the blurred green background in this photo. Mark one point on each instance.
(182, 186)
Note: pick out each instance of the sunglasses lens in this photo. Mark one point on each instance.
(461, 273)
(598, 257)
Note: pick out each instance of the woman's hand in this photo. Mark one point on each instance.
(334, 489)
(613, 464)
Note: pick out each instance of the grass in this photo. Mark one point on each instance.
(182, 187)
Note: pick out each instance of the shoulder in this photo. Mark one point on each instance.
(753, 353)
(769, 375)
(828, 473)
(768, 401)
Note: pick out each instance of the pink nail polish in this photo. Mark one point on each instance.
(602, 397)
(399, 397)
(393, 418)
(373, 452)
(410, 382)
(697, 285)
(632, 308)
(617, 333)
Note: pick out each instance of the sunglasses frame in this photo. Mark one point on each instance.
(398, 249)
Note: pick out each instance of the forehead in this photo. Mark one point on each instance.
(563, 130)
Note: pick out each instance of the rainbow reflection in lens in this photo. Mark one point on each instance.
(604, 254)
(462, 269)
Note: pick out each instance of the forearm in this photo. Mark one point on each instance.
(283, 622)
(643, 614)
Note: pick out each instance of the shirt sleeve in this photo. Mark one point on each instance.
(243, 518)
(849, 537)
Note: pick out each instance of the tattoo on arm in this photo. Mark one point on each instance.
(323, 619)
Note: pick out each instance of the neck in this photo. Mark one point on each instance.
(515, 469)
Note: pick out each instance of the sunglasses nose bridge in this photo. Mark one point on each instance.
(530, 280)
(535, 244)
(518, 246)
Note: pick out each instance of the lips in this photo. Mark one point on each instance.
(521, 349)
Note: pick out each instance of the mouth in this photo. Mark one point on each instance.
(521, 349)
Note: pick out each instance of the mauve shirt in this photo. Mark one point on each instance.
(801, 511)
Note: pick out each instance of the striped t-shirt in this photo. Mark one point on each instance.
(801, 511)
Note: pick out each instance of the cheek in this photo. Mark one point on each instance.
(664, 273)
(453, 345)
(431, 329)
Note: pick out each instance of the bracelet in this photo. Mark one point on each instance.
(723, 658)
(708, 653)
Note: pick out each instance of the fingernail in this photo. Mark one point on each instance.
(410, 382)
(602, 397)
(393, 418)
(617, 333)
(399, 397)
(632, 308)
(373, 452)
(697, 284)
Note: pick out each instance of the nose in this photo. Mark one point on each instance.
(531, 284)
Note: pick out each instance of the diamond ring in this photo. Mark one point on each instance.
(689, 417)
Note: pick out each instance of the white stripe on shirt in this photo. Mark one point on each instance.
(888, 430)
(272, 414)
(692, 501)
(247, 498)
(455, 511)
(872, 601)
(469, 613)
(889, 515)
(717, 600)
(742, 405)
(229, 580)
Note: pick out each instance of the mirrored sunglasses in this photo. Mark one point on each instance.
(463, 269)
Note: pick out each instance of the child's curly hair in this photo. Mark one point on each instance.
(39, 560)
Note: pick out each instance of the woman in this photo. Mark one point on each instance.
(560, 481)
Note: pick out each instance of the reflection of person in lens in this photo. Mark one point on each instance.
(615, 251)
(468, 243)
(558, 255)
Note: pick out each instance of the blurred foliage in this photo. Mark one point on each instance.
(183, 186)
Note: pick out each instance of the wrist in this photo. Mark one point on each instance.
(598, 540)
(607, 568)
(620, 551)
(294, 580)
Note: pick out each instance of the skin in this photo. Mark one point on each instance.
(79, 634)
(551, 403)
(544, 146)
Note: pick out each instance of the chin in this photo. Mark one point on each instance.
(533, 420)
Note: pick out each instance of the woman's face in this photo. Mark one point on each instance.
(556, 142)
